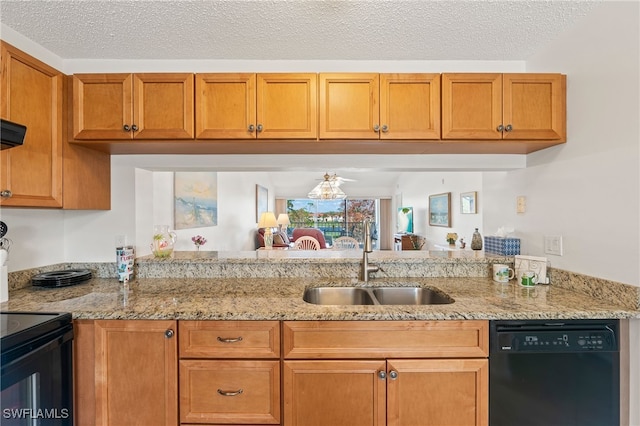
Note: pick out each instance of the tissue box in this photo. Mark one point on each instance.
(504, 246)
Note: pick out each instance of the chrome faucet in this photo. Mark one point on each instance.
(366, 268)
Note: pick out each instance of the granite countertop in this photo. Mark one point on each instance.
(281, 299)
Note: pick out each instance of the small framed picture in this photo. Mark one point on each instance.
(468, 203)
(440, 210)
(262, 201)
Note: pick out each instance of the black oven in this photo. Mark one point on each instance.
(36, 365)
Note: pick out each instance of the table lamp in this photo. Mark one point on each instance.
(268, 221)
(283, 222)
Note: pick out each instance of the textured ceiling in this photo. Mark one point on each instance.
(293, 29)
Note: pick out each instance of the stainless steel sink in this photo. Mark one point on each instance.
(338, 296)
(410, 296)
(375, 296)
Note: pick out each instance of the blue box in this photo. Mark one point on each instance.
(504, 246)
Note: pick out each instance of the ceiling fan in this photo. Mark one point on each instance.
(335, 179)
(329, 188)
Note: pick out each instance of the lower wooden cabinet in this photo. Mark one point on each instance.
(132, 375)
(400, 373)
(229, 391)
(230, 372)
(395, 392)
(403, 373)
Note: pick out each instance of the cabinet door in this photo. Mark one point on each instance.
(534, 106)
(410, 106)
(444, 392)
(225, 106)
(238, 392)
(349, 106)
(163, 106)
(287, 106)
(136, 372)
(102, 106)
(32, 95)
(334, 393)
(471, 106)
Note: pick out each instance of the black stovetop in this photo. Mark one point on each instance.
(17, 328)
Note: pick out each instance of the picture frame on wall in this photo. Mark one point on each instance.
(262, 201)
(405, 220)
(468, 202)
(440, 210)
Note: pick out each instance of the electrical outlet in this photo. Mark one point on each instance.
(553, 244)
(521, 204)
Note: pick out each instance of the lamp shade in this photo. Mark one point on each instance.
(283, 219)
(267, 220)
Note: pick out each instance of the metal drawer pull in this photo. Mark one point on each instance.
(230, 393)
(229, 339)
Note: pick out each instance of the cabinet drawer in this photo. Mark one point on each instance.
(229, 339)
(385, 339)
(230, 392)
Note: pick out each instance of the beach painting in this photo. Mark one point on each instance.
(195, 199)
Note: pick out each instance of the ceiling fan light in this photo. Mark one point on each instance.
(327, 190)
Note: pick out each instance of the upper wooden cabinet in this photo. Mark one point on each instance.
(380, 106)
(504, 106)
(133, 106)
(32, 95)
(256, 106)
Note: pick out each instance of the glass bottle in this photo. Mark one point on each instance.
(163, 241)
(476, 240)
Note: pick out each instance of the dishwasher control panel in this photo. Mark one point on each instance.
(556, 341)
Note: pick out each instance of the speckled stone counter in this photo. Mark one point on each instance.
(268, 284)
(281, 299)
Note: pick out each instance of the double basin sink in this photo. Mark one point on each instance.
(375, 296)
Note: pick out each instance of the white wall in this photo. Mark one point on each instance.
(237, 223)
(587, 190)
(415, 189)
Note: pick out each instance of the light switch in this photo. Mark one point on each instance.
(521, 204)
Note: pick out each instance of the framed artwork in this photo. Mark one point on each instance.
(405, 220)
(440, 210)
(195, 199)
(262, 201)
(468, 203)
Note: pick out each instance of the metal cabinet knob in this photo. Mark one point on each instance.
(134, 128)
(508, 128)
(382, 375)
(5, 193)
(126, 128)
(385, 128)
(251, 128)
(259, 128)
(169, 333)
(376, 128)
(500, 128)
(393, 374)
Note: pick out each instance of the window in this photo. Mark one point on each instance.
(335, 218)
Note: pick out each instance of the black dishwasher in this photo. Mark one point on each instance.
(549, 372)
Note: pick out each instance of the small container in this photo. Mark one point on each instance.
(476, 240)
(125, 259)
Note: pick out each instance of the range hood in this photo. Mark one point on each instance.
(11, 134)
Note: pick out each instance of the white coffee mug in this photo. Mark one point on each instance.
(502, 273)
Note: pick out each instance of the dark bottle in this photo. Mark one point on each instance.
(476, 241)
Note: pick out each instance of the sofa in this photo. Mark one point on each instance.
(280, 239)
